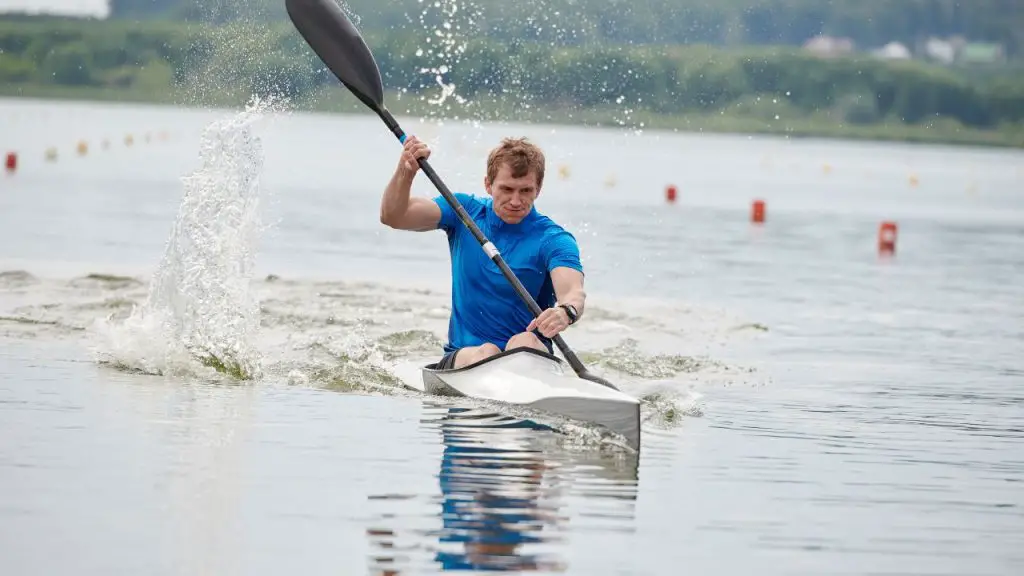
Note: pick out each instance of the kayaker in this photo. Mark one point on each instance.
(487, 314)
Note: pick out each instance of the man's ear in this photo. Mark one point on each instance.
(487, 186)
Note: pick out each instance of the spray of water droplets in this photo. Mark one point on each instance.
(350, 13)
(200, 313)
(449, 24)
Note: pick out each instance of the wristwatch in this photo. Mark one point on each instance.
(570, 311)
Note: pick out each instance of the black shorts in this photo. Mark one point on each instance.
(447, 361)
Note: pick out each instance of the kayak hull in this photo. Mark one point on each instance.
(539, 381)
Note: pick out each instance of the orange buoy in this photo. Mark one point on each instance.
(11, 163)
(757, 211)
(670, 193)
(887, 237)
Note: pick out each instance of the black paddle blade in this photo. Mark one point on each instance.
(334, 38)
(587, 375)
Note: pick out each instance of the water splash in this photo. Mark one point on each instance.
(16, 279)
(355, 18)
(446, 42)
(200, 310)
(628, 358)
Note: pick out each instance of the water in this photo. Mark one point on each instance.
(809, 406)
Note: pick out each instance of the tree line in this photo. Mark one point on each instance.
(721, 22)
(668, 79)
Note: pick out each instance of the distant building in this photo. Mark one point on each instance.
(829, 46)
(957, 49)
(79, 8)
(940, 50)
(982, 53)
(893, 51)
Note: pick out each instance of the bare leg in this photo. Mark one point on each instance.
(525, 340)
(471, 354)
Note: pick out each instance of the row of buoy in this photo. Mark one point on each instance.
(564, 172)
(81, 148)
(887, 230)
(610, 181)
(912, 179)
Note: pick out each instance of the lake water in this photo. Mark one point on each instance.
(809, 405)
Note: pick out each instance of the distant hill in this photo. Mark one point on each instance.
(775, 89)
(868, 24)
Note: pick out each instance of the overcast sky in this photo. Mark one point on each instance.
(75, 7)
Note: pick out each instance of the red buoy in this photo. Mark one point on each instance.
(887, 237)
(757, 211)
(670, 193)
(12, 162)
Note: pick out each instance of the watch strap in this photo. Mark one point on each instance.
(571, 312)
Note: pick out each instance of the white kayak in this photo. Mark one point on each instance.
(539, 381)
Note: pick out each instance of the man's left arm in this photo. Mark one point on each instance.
(568, 284)
(562, 257)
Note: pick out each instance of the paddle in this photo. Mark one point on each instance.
(336, 41)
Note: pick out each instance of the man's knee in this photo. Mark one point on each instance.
(467, 356)
(487, 349)
(525, 340)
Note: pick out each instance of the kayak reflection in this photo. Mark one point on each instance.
(493, 502)
(504, 484)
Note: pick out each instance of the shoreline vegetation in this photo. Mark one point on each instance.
(769, 90)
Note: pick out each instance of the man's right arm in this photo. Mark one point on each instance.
(397, 209)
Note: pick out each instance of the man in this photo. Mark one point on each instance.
(487, 314)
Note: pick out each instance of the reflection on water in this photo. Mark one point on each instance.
(494, 503)
(504, 490)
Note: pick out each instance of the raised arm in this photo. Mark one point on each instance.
(397, 209)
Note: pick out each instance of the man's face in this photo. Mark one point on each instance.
(513, 197)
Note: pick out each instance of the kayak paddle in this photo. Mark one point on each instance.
(329, 32)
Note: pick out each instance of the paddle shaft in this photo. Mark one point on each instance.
(491, 250)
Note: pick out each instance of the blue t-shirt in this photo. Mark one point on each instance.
(485, 306)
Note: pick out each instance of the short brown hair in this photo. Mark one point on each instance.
(522, 157)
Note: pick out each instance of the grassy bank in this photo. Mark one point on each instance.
(335, 99)
(766, 90)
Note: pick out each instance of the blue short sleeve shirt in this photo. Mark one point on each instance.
(485, 306)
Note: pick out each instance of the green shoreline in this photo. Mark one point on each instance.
(334, 99)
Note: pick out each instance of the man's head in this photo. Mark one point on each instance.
(515, 173)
